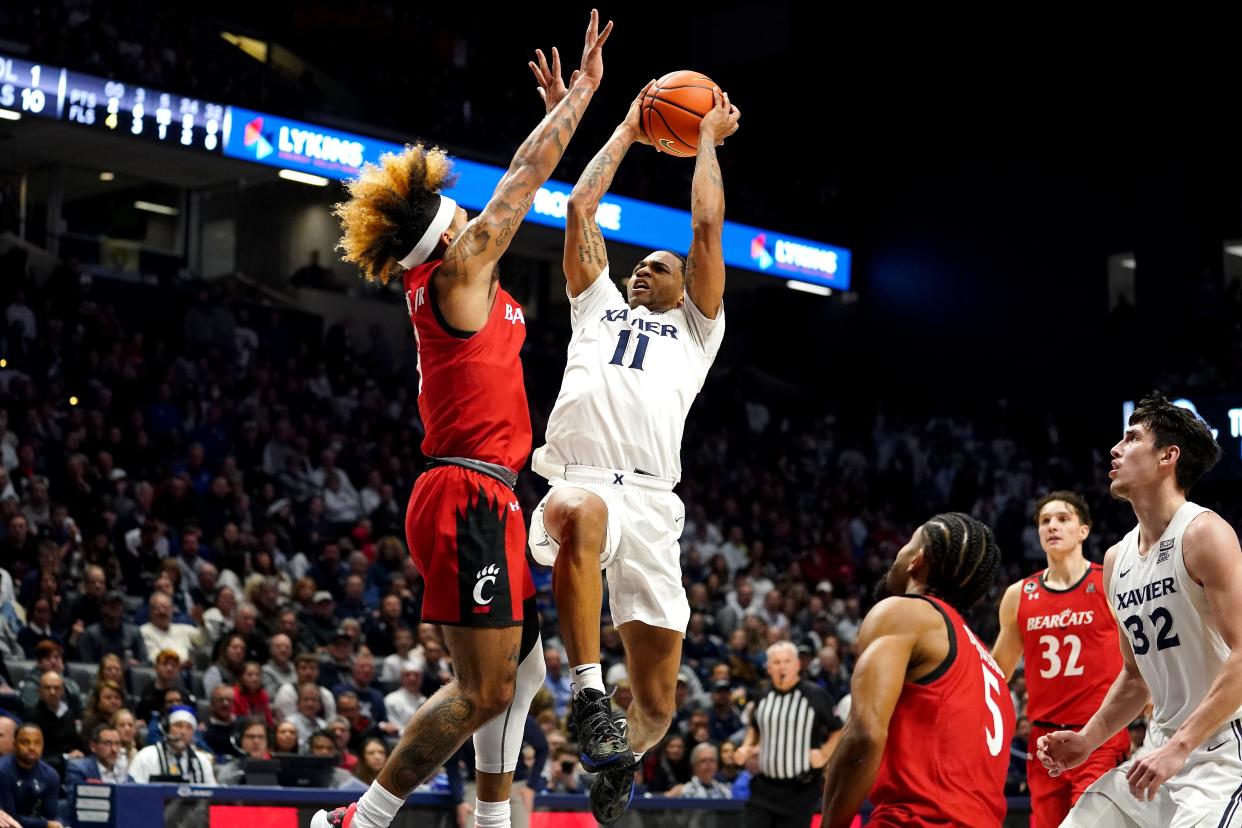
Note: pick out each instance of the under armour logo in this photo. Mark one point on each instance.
(616, 479)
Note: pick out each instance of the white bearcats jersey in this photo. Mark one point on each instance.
(629, 382)
(1165, 615)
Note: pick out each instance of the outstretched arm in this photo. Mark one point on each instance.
(705, 269)
(464, 281)
(585, 254)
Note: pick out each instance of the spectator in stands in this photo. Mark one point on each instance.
(559, 684)
(723, 718)
(8, 730)
(174, 754)
(249, 697)
(308, 717)
(703, 785)
(361, 727)
(101, 765)
(564, 772)
(339, 664)
(56, 721)
(160, 634)
(279, 669)
(217, 732)
(49, 657)
(19, 545)
(830, 675)
(112, 669)
(728, 769)
(105, 700)
(404, 702)
(252, 738)
(300, 639)
(381, 633)
(228, 664)
(111, 634)
(39, 627)
(669, 766)
(29, 787)
(85, 609)
(361, 682)
(207, 585)
(324, 744)
(218, 618)
(371, 761)
(167, 677)
(321, 622)
(245, 623)
(285, 739)
(403, 644)
(127, 729)
(353, 603)
(286, 700)
(739, 604)
(700, 650)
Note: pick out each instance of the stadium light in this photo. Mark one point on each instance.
(303, 178)
(806, 287)
(151, 207)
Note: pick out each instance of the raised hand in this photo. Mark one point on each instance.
(592, 65)
(551, 86)
(633, 123)
(721, 120)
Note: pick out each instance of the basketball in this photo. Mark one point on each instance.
(673, 108)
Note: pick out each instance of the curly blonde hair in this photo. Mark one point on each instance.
(390, 205)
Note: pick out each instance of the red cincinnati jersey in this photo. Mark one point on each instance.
(947, 752)
(1070, 648)
(471, 393)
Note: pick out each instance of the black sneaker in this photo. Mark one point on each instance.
(600, 741)
(612, 791)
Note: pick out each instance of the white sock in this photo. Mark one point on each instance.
(586, 676)
(491, 814)
(638, 755)
(376, 808)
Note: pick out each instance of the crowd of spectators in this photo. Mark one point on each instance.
(201, 532)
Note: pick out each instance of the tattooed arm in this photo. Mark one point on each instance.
(464, 283)
(705, 270)
(585, 253)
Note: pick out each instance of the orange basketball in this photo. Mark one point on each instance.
(673, 108)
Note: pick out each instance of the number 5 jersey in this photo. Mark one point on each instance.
(630, 379)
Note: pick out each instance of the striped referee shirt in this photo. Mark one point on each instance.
(790, 723)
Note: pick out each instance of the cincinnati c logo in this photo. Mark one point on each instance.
(487, 577)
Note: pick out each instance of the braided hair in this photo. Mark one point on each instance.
(390, 205)
(962, 557)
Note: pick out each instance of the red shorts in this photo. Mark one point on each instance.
(1052, 797)
(467, 537)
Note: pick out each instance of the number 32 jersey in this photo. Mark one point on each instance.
(1165, 615)
(630, 379)
(1069, 647)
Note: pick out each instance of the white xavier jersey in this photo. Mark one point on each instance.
(1165, 615)
(629, 382)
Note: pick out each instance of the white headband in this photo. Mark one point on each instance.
(431, 236)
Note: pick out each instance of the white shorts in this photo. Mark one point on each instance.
(1206, 794)
(641, 556)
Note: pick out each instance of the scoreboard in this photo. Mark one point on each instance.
(45, 91)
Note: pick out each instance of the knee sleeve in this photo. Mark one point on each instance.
(499, 742)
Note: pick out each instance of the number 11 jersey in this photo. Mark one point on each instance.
(1069, 647)
(630, 379)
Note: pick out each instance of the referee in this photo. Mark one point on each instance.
(794, 731)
